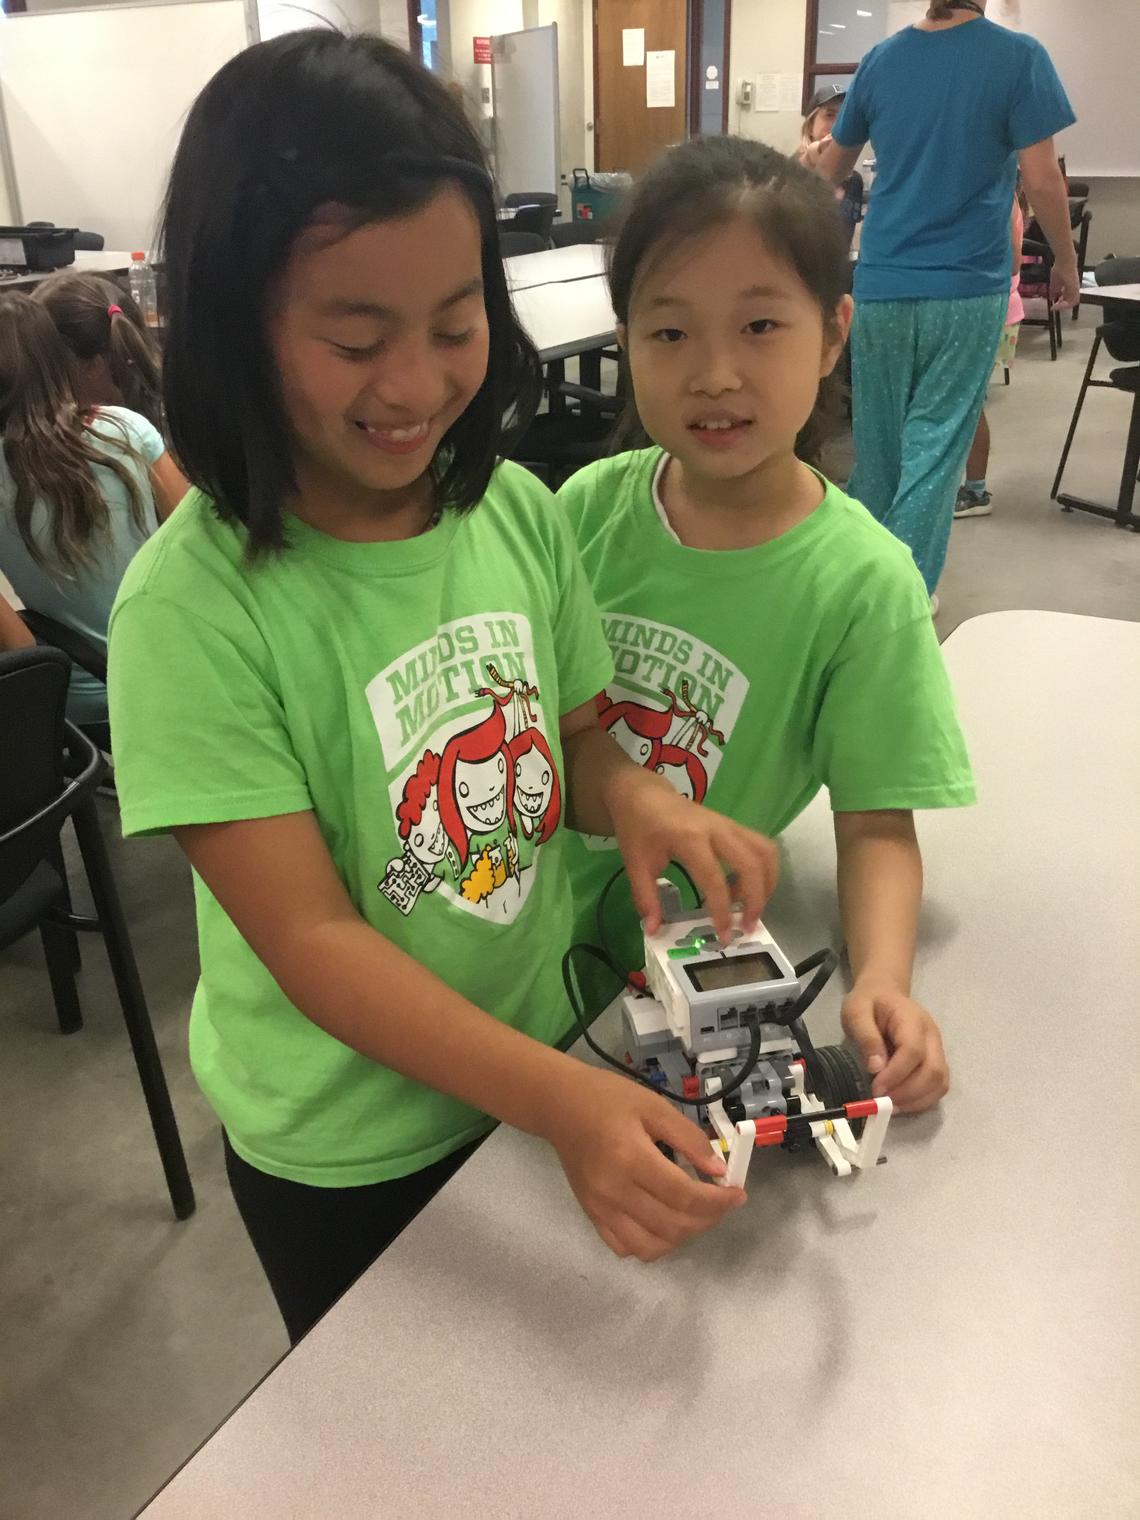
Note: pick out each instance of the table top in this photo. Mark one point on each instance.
(1097, 295)
(568, 318)
(554, 265)
(955, 1335)
(107, 261)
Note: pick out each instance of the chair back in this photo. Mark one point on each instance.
(46, 766)
(511, 244)
(530, 198)
(570, 234)
(1118, 272)
(79, 650)
(536, 219)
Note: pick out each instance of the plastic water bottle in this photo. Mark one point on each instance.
(144, 287)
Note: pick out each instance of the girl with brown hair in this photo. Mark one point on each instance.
(80, 490)
(115, 359)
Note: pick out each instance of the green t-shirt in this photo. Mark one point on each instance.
(408, 694)
(752, 677)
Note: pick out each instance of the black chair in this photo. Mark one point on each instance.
(48, 773)
(1120, 334)
(1080, 219)
(511, 244)
(575, 432)
(1036, 277)
(80, 651)
(530, 198)
(533, 218)
(570, 234)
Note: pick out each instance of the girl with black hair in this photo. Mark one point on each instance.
(335, 670)
(768, 634)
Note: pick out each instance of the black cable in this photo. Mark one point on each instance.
(600, 912)
(735, 1085)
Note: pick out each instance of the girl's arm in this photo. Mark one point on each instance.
(880, 893)
(14, 634)
(654, 824)
(168, 484)
(276, 880)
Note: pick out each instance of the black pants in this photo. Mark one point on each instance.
(314, 1242)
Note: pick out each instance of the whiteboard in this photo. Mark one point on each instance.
(1094, 48)
(95, 101)
(524, 96)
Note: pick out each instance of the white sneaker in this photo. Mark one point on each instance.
(934, 604)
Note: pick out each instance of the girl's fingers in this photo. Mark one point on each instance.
(697, 1202)
(929, 1082)
(703, 866)
(907, 1056)
(642, 876)
(636, 1240)
(754, 865)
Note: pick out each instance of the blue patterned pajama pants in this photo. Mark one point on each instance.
(919, 372)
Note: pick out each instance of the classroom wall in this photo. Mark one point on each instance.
(465, 20)
(1115, 205)
(767, 37)
(276, 17)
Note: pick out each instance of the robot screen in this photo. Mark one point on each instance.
(734, 971)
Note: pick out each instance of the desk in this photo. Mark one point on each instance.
(109, 261)
(566, 319)
(554, 266)
(954, 1337)
(1100, 295)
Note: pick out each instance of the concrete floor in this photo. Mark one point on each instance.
(125, 1337)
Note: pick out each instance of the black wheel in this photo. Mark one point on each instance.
(836, 1077)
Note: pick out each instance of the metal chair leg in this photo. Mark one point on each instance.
(1131, 466)
(1076, 417)
(59, 953)
(55, 859)
(135, 1013)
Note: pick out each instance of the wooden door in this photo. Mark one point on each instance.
(628, 133)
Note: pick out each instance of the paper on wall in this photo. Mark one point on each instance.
(767, 95)
(791, 92)
(632, 46)
(660, 72)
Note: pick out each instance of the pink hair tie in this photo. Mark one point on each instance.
(114, 311)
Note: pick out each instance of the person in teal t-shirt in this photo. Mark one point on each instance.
(769, 637)
(356, 675)
(951, 105)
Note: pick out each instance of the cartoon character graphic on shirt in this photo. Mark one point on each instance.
(468, 751)
(638, 728)
(426, 844)
(513, 693)
(477, 806)
(538, 791)
(669, 740)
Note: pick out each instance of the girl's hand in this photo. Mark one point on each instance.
(900, 1045)
(605, 1129)
(654, 825)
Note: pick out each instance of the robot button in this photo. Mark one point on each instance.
(683, 952)
(691, 1087)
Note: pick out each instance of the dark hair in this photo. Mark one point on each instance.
(49, 451)
(699, 184)
(305, 120)
(83, 308)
